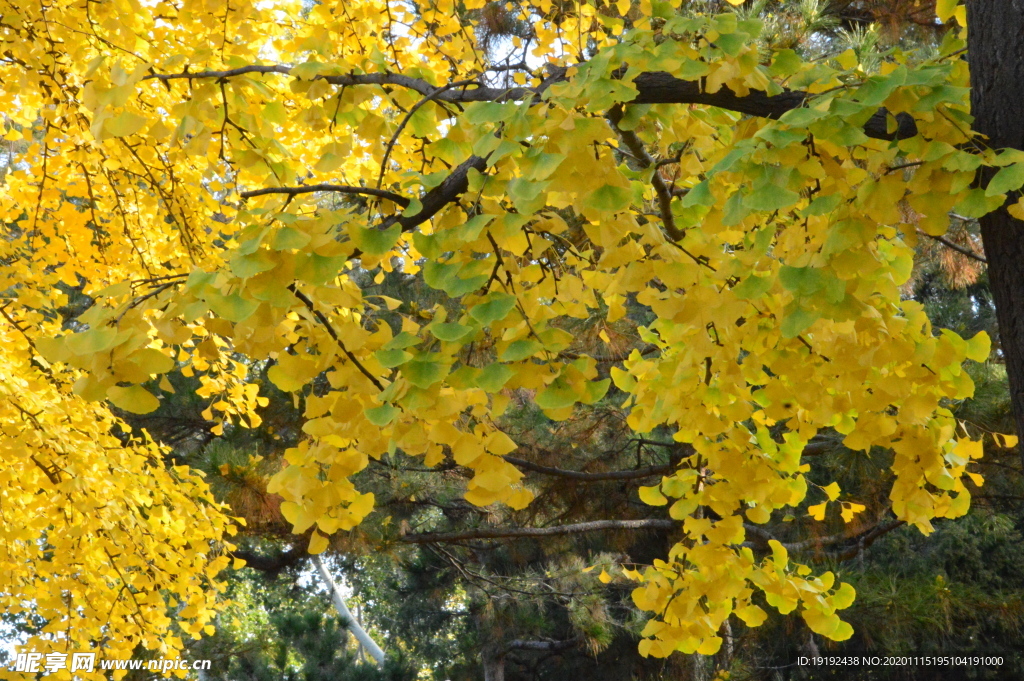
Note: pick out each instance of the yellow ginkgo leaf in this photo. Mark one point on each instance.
(1006, 441)
(318, 543)
(817, 511)
(652, 496)
(850, 509)
(134, 399)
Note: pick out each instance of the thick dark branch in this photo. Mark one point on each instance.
(338, 188)
(656, 87)
(440, 196)
(241, 71)
(664, 88)
(516, 532)
(636, 146)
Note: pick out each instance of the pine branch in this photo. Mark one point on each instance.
(519, 532)
(636, 474)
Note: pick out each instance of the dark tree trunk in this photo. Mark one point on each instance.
(493, 659)
(996, 53)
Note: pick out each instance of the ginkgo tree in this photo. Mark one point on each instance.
(213, 176)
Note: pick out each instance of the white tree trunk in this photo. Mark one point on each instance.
(350, 622)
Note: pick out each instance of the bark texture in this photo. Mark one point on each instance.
(996, 54)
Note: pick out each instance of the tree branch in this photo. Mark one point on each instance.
(812, 448)
(656, 87)
(394, 138)
(867, 539)
(440, 196)
(230, 73)
(322, 318)
(350, 622)
(544, 646)
(339, 188)
(631, 140)
(859, 541)
(517, 532)
(949, 244)
(591, 477)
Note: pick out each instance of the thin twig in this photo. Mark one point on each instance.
(408, 116)
(322, 318)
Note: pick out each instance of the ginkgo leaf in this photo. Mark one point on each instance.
(519, 499)
(402, 341)
(318, 543)
(493, 377)
(382, 415)
(1009, 179)
(712, 644)
(1006, 441)
(849, 510)
(450, 331)
(817, 511)
(124, 124)
(979, 347)
(609, 198)
(152, 361)
(288, 238)
(392, 358)
(752, 615)
(424, 373)
(753, 287)
(770, 197)
(520, 350)
(91, 341)
(134, 399)
(944, 9)
(300, 518)
(496, 308)
(559, 395)
(843, 596)
(797, 321)
(652, 496)
(375, 241)
(831, 490)
(233, 307)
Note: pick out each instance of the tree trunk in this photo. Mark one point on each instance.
(493, 659)
(995, 41)
(350, 622)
